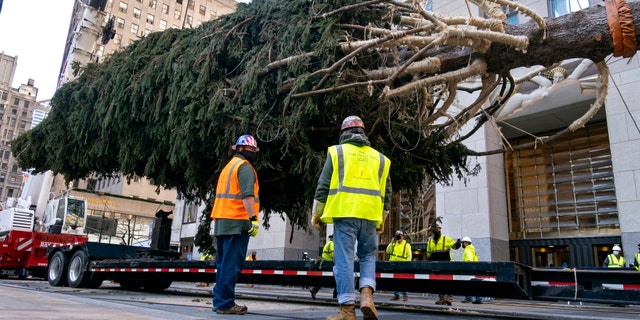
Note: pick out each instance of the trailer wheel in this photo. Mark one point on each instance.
(78, 277)
(57, 269)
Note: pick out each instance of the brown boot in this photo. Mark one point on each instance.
(367, 306)
(347, 312)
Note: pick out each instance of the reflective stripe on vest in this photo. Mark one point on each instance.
(615, 262)
(343, 188)
(228, 203)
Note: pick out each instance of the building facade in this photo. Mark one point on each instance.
(565, 203)
(98, 28)
(16, 109)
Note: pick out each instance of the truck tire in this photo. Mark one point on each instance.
(94, 282)
(57, 269)
(78, 276)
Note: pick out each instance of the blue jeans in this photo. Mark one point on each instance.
(397, 293)
(230, 255)
(345, 234)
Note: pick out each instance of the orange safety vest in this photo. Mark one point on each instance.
(228, 203)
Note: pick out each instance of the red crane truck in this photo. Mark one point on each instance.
(24, 239)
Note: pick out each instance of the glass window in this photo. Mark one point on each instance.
(120, 23)
(123, 7)
(134, 28)
(562, 189)
(190, 212)
(189, 20)
(136, 13)
(176, 14)
(146, 32)
(4, 96)
(163, 24)
(26, 104)
(165, 9)
(202, 10)
(427, 5)
(16, 101)
(117, 39)
(561, 7)
(153, 3)
(512, 15)
(150, 18)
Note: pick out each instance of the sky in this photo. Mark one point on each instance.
(35, 31)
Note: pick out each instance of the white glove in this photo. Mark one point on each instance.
(316, 212)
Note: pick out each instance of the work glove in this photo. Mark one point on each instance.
(458, 244)
(316, 212)
(254, 228)
(380, 229)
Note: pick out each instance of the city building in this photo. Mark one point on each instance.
(16, 109)
(98, 28)
(564, 203)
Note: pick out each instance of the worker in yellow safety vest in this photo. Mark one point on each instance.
(614, 260)
(327, 255)
(636, 260)
(353, 193)
(399, 250)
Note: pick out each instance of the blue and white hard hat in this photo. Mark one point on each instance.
(247, 140)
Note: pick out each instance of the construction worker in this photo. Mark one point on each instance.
(253, 256)
(354, 190)
(205, 257)
(469, 255)
(614, 259)
(327, 255)
(235, 212)
(399, 250)
(636, 259)
(439, 249)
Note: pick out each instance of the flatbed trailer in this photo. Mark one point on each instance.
(88, 264)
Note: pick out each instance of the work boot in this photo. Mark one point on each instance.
(347, 312)
(441, 301)
(313, 292)
(367, 306)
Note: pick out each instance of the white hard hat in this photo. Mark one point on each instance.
(466, 239)
(616, 248)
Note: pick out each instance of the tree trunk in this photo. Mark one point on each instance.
(583, 34)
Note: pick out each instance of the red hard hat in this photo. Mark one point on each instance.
(352, 122)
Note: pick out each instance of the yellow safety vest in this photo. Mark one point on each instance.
(399, 251)
(637, 265)
(229, 204)
(327, 251)
(358, 183)
(469, 254)
(615, 262)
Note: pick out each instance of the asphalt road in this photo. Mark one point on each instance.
(31, 299)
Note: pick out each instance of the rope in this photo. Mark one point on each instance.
(575, 284)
